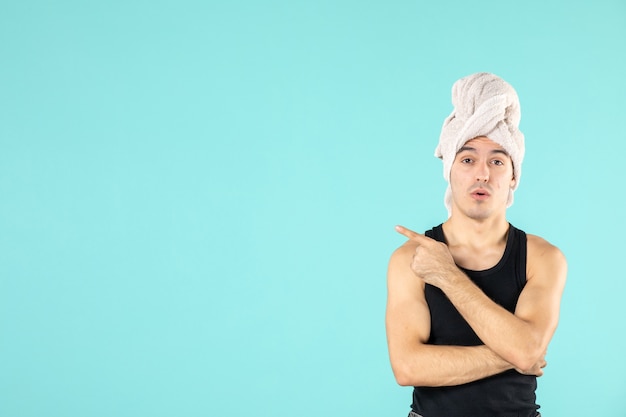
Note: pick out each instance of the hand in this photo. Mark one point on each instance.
(432, 260)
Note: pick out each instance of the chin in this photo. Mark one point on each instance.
(478, 213)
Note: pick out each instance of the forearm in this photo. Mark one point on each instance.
(507, 335)
(434, 365)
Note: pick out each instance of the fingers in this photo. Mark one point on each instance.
(410, 233)
(539, 367)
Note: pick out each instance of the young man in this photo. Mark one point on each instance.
(473, 303)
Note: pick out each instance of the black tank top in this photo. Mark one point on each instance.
(509, 394)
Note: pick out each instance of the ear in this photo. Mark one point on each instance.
(513, 182)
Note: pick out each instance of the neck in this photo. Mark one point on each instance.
(465, 231)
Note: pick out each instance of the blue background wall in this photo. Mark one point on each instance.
(197, 199)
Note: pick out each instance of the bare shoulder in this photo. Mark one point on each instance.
(404, 252)
(539, 247)
(401, 259)
(400, 276)
(545, 257)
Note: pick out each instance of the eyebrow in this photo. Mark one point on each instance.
(471, 149)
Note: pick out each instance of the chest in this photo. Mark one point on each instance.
(478, 259)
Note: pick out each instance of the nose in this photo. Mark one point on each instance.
(482, 173)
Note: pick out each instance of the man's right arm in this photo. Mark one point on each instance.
(415, 363)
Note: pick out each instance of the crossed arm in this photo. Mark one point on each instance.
(511, 341)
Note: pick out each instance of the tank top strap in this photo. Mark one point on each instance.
(519, 240)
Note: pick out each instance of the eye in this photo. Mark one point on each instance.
(466, 160)
(497, 162)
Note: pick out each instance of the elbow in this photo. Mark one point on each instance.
(403, 379)
(401, 374)
(406, 376)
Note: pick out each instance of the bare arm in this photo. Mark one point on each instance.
(415, 363)
(521, 338)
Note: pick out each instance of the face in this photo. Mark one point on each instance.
(480, 179)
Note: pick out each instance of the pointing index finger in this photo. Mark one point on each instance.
(409, 233)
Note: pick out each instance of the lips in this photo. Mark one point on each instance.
(480, 194)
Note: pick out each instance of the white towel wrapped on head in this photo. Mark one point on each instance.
(484, 105)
